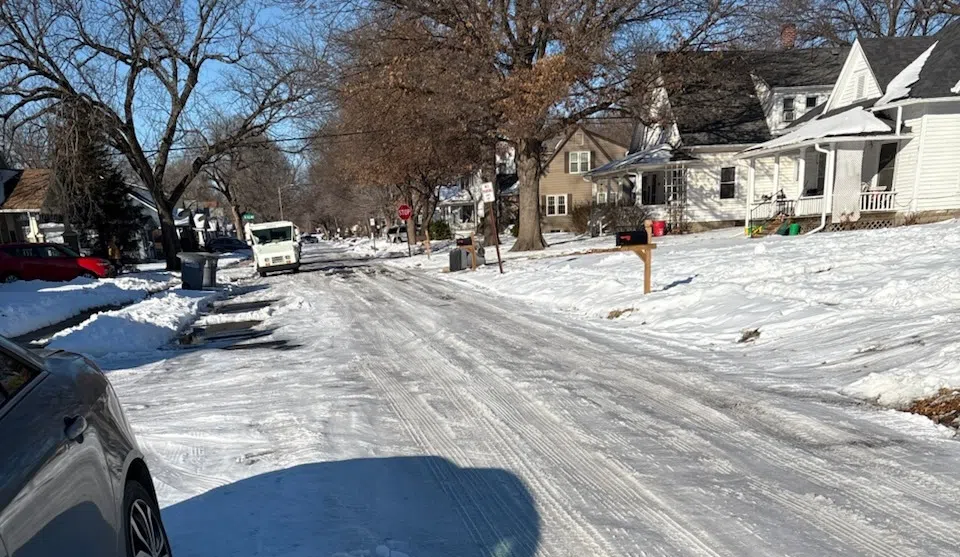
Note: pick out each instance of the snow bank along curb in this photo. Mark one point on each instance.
(142, 327)
(29, 305)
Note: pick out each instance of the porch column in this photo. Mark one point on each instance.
(776, 175)
(751, 182)
(34, 235)
(801, 172)
(638, 189)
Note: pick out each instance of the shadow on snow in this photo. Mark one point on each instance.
(400, 506)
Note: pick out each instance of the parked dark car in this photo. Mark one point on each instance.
(225, 245)
(309, 239)
(53, 262)
(72, 479)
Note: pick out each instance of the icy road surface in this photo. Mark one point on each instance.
(409, 418)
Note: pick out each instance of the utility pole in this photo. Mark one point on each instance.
(280, 200)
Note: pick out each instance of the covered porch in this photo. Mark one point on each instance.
(655, 179)
(835, 173)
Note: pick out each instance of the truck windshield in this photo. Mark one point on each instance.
(283, 234)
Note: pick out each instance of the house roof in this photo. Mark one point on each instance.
(941, 72)
(889, 55)
(28, 191)
(798, 67)
(618, 131)
(848, 122)
(655, 156)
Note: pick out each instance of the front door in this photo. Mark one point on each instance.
(55, 493)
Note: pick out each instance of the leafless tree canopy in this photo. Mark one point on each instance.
(157, 72)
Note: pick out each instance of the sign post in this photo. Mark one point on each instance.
(373, 232)
(486, 190)
(404, 211)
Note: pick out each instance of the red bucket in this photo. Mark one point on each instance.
(659, 227)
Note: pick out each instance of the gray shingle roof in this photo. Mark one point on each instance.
(888, 55)
(798, 67)
(942, 69)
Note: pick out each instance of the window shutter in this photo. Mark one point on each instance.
(543, 205)
(569, 203)
(593, 157)
(566, 162)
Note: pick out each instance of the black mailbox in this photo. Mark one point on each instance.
(465, 241)
(632, 238)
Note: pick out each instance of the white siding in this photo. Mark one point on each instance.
(703, 189)
(845, 91)
(774, 106)
(939, 176)
(906, 170)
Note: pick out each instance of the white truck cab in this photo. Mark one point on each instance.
(276, 246)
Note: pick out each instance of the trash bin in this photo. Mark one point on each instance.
(794, 229)
(194, 271)
(459, 259)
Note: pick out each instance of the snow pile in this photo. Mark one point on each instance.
(899, 87)
(29, 305)
(142, 327)
(840, 311)
(850, 122)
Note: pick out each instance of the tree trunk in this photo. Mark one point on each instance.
(237, 220)
(411, 222)
(168, 234)
(530, 236)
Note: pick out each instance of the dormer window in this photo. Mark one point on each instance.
(789, 110)
(811, 102)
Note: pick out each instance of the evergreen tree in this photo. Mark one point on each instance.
(91, 193)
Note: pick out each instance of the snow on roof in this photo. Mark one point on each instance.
(899, 86)
(661, 154)
(850, 122)
(955, 89)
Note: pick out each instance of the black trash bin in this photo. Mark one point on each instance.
(193, 270)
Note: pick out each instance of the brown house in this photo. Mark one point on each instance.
(564, 185)
(24, 196)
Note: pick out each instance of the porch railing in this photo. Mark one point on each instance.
(808, 206)
(871, 201)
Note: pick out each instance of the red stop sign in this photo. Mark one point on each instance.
(404, 212)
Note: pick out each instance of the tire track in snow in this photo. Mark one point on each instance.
(796, 461)
(554, 440)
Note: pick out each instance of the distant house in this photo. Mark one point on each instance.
(684, 164)
(566, 184)
(883, 148)
(26, 208)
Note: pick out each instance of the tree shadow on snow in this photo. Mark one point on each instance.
(396, 507)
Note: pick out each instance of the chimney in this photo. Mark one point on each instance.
(788, 36)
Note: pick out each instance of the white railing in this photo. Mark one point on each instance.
(808, 206)
(877, 201)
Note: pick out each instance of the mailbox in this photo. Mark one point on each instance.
(632, 238)
(468, 241)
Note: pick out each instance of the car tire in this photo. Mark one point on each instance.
(263, 274)
(9, 278)
(296, 269)
(89, 275)
(142, 526)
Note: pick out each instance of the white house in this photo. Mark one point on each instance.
(885, 148)
(684, 166)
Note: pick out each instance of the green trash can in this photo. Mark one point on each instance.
(794, 229)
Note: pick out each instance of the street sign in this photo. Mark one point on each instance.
(373, 222)
(486, 189)
(404, 212)
(248, 217)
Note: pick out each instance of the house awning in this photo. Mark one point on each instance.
(855, 124)
(656, 157)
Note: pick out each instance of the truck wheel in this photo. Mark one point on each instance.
(262, 273)
(296, 269)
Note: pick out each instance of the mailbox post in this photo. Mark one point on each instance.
(637, 241)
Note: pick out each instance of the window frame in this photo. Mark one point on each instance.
(816, 102)
(8, 400)
(789, 114)
(731, 184)
(602, 193)
(579, 162)
(555, 198)
(891, 164)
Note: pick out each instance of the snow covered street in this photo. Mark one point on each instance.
(412, 416)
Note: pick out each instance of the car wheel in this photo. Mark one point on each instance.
(89, 275)
(296, 269)
(9, 278)
(263, 273)
(145, 534)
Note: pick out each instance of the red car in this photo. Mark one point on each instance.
(53, 262)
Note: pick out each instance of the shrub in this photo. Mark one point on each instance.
(580, 217)
(440, 230)
(621, 218)
(515, 230)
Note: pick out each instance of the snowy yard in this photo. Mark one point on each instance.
(394, 410)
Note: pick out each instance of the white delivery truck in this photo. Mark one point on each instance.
(276, 246)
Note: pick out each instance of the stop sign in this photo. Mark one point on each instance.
(404, 212)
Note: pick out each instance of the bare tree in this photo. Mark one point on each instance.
(542, 66)
(156, 71)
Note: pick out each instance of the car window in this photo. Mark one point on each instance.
(49, 252)
(20, 251)
(14, 375)
(67, 251)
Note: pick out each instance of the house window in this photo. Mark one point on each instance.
(861, 85)
(579, 162)
(652, 191)
(789, 112)
(811, 102)
(728, 182)
(886, 166)
(556, 205)
(821, 175)
(601, 197)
